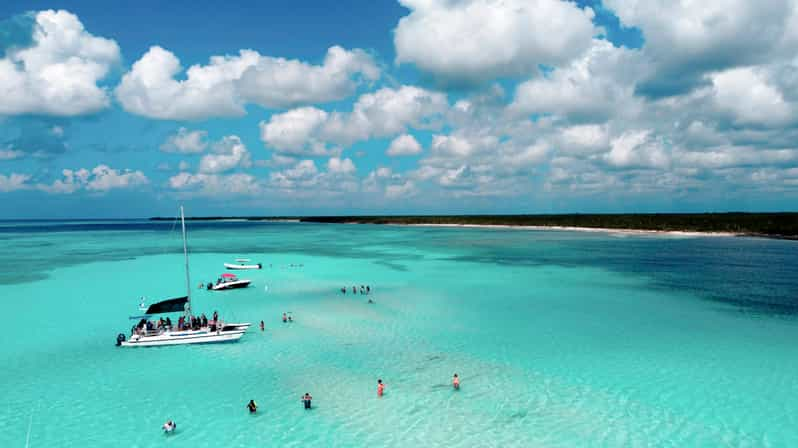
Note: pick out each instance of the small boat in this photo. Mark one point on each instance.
(228, 281)
(243, 263)
(144, 335)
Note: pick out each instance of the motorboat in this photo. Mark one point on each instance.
(189, 329)
(243, 263)
(228, 281)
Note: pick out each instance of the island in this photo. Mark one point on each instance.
(772, 225)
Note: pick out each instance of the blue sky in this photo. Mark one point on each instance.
(126, 109)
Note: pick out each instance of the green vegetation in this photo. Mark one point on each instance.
(776, 225)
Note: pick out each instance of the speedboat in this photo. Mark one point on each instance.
(243, 263)
(145, 334)
(228, 281)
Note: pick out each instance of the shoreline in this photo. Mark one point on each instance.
(586, 229)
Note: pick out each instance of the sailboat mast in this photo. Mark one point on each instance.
(185, 254)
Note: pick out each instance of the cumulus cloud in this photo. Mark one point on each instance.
(590, 89)
(386, 112)
(228, 153)
(186, 142)
(58, 73)
(340, 166)
(404, 145)
(100, 179)
(687, 39)
(10, 154)
(227, 83)
(472, 41)
(13, 182)
(215, 185)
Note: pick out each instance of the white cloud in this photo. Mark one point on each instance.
(404, 145)
(747, 95)
(186, 142)
(13, 182)
(685, 39)
(183, 165)
(637, 149)
(340, 166)
(215, 185)
(228, 153)
(591, 89)
(104, 178)
(386, 112)
(228, 83)
(583, 139)
(58, 73)
(295, 132)
(405, 189)
(10, 154)
(101, 178)
(477, 40)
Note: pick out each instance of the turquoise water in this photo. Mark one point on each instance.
(560, 338)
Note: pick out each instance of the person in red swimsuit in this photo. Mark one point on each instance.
(380, 388)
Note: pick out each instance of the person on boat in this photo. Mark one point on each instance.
(252, 406)
(169, 426)
(380, 388)
(456, 382)
(215, 316)
(306, 400)
(261, 325)
(285, 318)
(168, 323)
(204, 319)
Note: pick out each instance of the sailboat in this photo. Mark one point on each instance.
(144, 335)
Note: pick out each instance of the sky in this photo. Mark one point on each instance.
(127, 109)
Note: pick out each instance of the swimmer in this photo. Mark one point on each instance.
(343, 291)
(261, 325)
(285, 318)
(456, 382)
(290, 319)
(252, 406)
(368, 290)
(380, 388)
(371, 301)
(169, 426)
(306, 400)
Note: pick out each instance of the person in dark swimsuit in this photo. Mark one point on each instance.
(252, 406)
(306, 400)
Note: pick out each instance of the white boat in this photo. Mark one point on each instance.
(143, 335)
(241, 264)
(228, 281)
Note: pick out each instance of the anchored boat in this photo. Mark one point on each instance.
(189, 329)
(228, 281)
(243, 263)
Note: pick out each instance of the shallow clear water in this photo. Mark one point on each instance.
(560, 338)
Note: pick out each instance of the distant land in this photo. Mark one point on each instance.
(771, 225)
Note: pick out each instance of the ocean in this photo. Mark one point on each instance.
(560, 338)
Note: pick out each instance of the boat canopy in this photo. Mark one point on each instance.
(175, 305)
(242, 260)
(226, 275)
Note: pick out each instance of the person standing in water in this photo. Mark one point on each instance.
(306, 400)
(285, 318)
(380, 388)
(456, 382)
(261, 326)
(252, 406)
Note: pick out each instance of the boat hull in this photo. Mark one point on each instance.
(230, 285)
(185, 338)
(242, 266)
